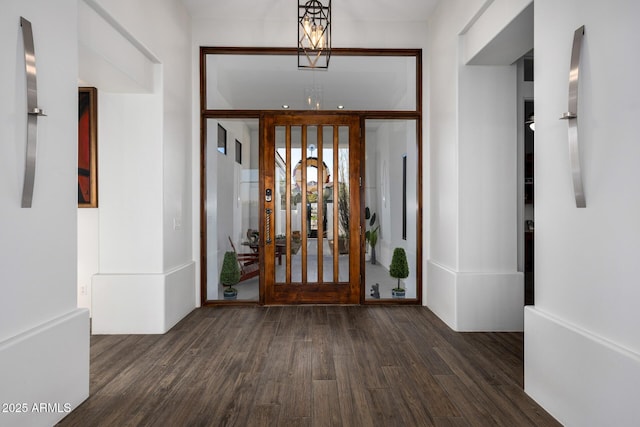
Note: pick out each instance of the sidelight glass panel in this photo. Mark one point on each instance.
(231, 205)
(391, 198)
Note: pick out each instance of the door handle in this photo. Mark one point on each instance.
(267, 226)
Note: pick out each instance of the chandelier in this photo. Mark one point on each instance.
(314, 34)
(313, 97)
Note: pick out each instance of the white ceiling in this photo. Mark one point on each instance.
(357, 10)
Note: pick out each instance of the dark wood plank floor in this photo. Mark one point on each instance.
(309, 366)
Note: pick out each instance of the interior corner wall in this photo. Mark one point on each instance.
(582, 360)
(44, 337)
(472, 278)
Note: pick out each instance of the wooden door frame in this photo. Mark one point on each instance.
(206, 114)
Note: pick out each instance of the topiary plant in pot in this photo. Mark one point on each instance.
(399, 269)
(230, 274)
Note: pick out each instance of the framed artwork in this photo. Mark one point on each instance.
(87, 147)
(222, 140)
(238, 152)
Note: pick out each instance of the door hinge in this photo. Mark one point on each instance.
(360, 181)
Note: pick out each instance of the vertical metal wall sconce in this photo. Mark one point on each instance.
(33, 111)
(572, 117)
(314, 34)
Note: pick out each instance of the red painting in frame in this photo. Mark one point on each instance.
(87, 147)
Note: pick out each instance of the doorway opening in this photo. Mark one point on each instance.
(526, 175)
(529, 225)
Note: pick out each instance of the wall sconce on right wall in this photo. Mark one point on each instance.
(572, 118)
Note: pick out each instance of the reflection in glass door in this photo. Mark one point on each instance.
(311, 209)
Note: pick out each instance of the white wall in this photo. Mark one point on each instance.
(44, 338)
(473, 282)
(441, 70)
(582, 360)
(130, 168)
(144, 157)
(487, 161)
(88, 253)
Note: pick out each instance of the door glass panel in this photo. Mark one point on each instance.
(342, 210)
(325, 202)
(326, 152)
(391, 197)
(281, 197)
(312, 174)
(232, 205)
(313, 207)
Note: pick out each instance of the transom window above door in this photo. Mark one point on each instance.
(250, 81)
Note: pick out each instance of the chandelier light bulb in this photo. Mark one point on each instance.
(320, 37)
(314, 36)
(307, 27)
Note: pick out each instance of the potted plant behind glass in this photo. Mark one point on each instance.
(371, 235)
(230, 274)
(400, 270)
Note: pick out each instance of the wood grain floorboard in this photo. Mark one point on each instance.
(314, 366)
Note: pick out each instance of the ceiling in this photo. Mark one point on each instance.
(354, 10)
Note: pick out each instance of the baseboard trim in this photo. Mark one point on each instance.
(476, 301)
(45, 370)
(142, 303)
(577, 376)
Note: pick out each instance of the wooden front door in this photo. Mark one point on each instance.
(310, 209)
